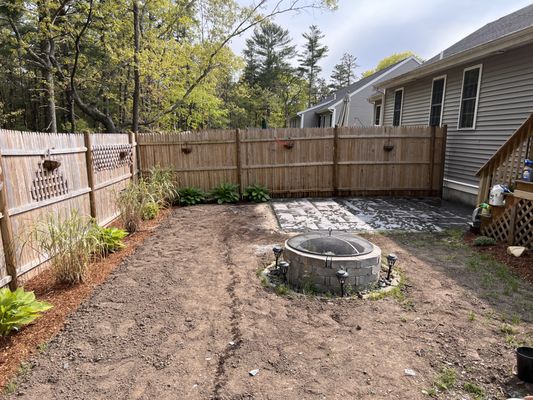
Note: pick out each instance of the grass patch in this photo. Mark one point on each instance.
(10, 388)
(282, 290)
(471, 316)
(477, 392)
(42, 347)
(446, 379)
(508, 329)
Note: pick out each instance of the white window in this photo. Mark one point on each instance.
(398, 104)
(438, 90)
(470, 97)
(377, 112)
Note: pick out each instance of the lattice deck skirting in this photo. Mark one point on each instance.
(111, 156)
(514, 226)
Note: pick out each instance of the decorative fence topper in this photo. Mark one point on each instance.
(49, 181)
(111, 156)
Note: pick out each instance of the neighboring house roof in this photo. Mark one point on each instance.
(511, 23)
(338, 96)
(510, 31)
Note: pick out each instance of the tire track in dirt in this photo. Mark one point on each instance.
(221, 378)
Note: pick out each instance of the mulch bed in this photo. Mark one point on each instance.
(17, 348)
(522, 266)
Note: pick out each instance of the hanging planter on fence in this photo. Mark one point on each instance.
(388, 147)
(288, 144)
(186, 149)
(49, 164)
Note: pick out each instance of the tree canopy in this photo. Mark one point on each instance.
(390, 60)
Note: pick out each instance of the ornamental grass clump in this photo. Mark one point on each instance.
(163, 186)
(69, 242)
(131, 203)
(19, 308)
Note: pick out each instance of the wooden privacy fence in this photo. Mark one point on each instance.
(43, 173)
(305, 162)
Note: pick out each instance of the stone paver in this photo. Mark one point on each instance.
(369, 214)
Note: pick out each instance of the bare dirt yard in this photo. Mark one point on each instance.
(186, 317)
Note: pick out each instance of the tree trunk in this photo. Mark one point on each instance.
(136, 72)
(51, 120)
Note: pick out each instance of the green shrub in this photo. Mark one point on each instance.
(226, 193)
(484, 241)
(162, 186)
(190, 196)
(150, 210)
(256, 193)
(70, 242)
(19, 308)
(109, 239)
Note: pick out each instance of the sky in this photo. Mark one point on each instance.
(373, 29)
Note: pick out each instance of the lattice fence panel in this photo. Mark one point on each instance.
(524, 224)
(500, 227)
(48, 184)
(111, 156)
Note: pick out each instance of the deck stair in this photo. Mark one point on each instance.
(512, 223)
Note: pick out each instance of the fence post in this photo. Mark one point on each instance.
(335, 172)
(90, 172)
(512, 225)
(431, 158)
(132, 138)
(6, 230)
(238, 158)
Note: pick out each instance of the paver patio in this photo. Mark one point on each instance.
(369, 214)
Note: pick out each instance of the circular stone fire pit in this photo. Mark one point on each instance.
(316, 257)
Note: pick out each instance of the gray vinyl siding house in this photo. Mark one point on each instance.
(502, 52)
(349, 106)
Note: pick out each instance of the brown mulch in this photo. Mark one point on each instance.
(522, 266)
(15, 349)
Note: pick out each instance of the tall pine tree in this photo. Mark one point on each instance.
(268, 53)
(313, 52)
(343, 73)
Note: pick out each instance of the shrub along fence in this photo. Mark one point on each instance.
(42, 173)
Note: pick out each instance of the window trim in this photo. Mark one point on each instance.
(445, 77)
(473, 127)
(401, 106)
(380, 122)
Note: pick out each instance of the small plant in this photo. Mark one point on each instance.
(10, 388)
(446, 379)
(131, 202)
(282, 290)
(19, 308)
(226, 193)
(150, 210)
(471, 316)
(484, 241)
(191, 196)
(256, 194)
(474, 390)
(109, 239)
(508, 329)
(68, 242)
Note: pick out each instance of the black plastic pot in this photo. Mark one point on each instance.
(524, 364)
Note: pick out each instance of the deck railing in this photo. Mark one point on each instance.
(506, 165)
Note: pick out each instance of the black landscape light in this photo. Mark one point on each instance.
(284, 268)
(277, 253)
(391, 260)
(342, 275)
